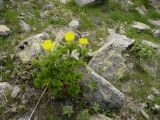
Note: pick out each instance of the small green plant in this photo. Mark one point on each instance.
(59, 70)
(96, 107)
(142, 52)
(84, 115)
(68, 110)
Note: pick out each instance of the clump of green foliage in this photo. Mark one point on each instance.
(59, 71)
(142, 52)
(68, 110)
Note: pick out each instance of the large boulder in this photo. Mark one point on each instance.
(108, 60)
(31, 47)
(97, 89)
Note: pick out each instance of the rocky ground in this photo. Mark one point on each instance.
(124, 53)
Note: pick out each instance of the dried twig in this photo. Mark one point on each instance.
(37, 103)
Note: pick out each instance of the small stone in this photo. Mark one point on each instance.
(141, 10)
(5, 88)
(1, 4)
(24, 26)
(150, 67)
(26, 97)
(44, 14)
(126, 88)
(145, 115)
(157, 107)
(83, 2)
(75, 54)
(150, 44)
(150, 97)
(142, 106)
(140, 26)
(31, 47)
(13, 109)
(99, 117)
(4, 31)
(48, 6)
(64, 1)
(15, 92)
(155, 91)
(24, 117)
(74, 24)
(155, 22)
(156, 33)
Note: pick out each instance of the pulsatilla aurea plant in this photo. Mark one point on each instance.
(58, 70)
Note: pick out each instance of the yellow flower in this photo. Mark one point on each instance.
(48, 45)
(83, 41)
(69, 36)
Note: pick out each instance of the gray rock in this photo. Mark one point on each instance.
(155, 22)
(108, 61)
(141, 10)
(4, 31)
(84, 2)
(126, 88)
(5, 88)
(156, 33)
(74, 24)
(24, 117)
(26, 97)
(31, 47)
(155, 91)
(120, 42)
(110, 65)
(156, 107)
(150, 67)
(140, 26)
(150, 44)
(64, 1)
(24, 26)
(15, 92)
(99, 117)
(150, 97)
(1, 4)
(44, 14)
(75, 54)
(97, 89)
(155, 4)
(145, 115)
(48, 6)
